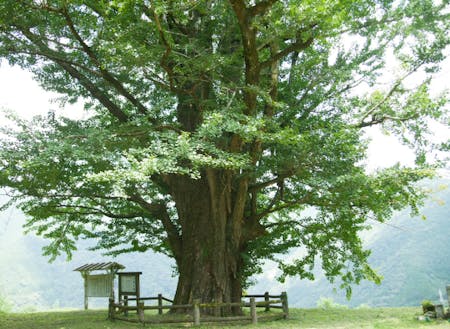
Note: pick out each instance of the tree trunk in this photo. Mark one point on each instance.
(210, 262)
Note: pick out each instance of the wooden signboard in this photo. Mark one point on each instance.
(129, 284)
(99, 285)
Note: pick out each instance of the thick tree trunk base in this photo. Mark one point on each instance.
(206, 289)
(210, 262)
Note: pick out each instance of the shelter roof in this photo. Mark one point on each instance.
(99, 267)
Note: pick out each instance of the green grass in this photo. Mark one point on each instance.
(368, 318)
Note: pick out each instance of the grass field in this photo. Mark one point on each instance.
(376, 318)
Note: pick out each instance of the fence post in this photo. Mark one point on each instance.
(86, 299)
(111, 309)
(448, 294)
(125, 304)
(140, 310)
(253, 310)
(196, 312)
(160, 310)
(266, 299)
(284, 301)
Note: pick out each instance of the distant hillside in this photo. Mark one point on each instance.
(29, 282)
(410, 253)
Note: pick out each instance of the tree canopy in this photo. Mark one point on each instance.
(226, 131)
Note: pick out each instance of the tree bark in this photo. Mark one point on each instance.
(211, 242)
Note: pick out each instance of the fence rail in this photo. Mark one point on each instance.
(115, 309)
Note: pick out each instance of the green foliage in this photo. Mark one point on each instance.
(363, 307)
(400, 251)
(31, 284)
(272, 97)
(427, 303)
(5, 306)
(325, 303)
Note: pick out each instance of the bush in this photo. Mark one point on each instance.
(5, 306)
(329, 304)
(363, 307)
(427, 306)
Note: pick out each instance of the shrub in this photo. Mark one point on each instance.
(327, 303)
(427, 306)
(363, 307)
(5, 306)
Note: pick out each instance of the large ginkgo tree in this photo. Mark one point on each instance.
(222, 133)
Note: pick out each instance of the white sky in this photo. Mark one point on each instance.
(19, 92)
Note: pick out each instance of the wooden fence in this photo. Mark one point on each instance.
(269, 302)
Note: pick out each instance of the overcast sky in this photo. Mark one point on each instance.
(19, 92)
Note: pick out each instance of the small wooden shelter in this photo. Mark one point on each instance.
(98, 284)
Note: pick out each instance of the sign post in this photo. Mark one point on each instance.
(98, 285)
(129, 285)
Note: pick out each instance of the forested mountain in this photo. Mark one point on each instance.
(28, 281)
(411, 254)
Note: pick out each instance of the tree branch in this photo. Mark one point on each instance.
(95, 92)
(261, 7)
(271, 209)
(251, 58)
(53, 56)
(149, 12)
(159, 210)
(262, 185)
(390, 93)
(294, 47)
(74, 73)
(105, 74)
(95, 211)
(288, 222)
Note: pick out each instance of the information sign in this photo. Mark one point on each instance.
(128, 283)
(99, 285)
